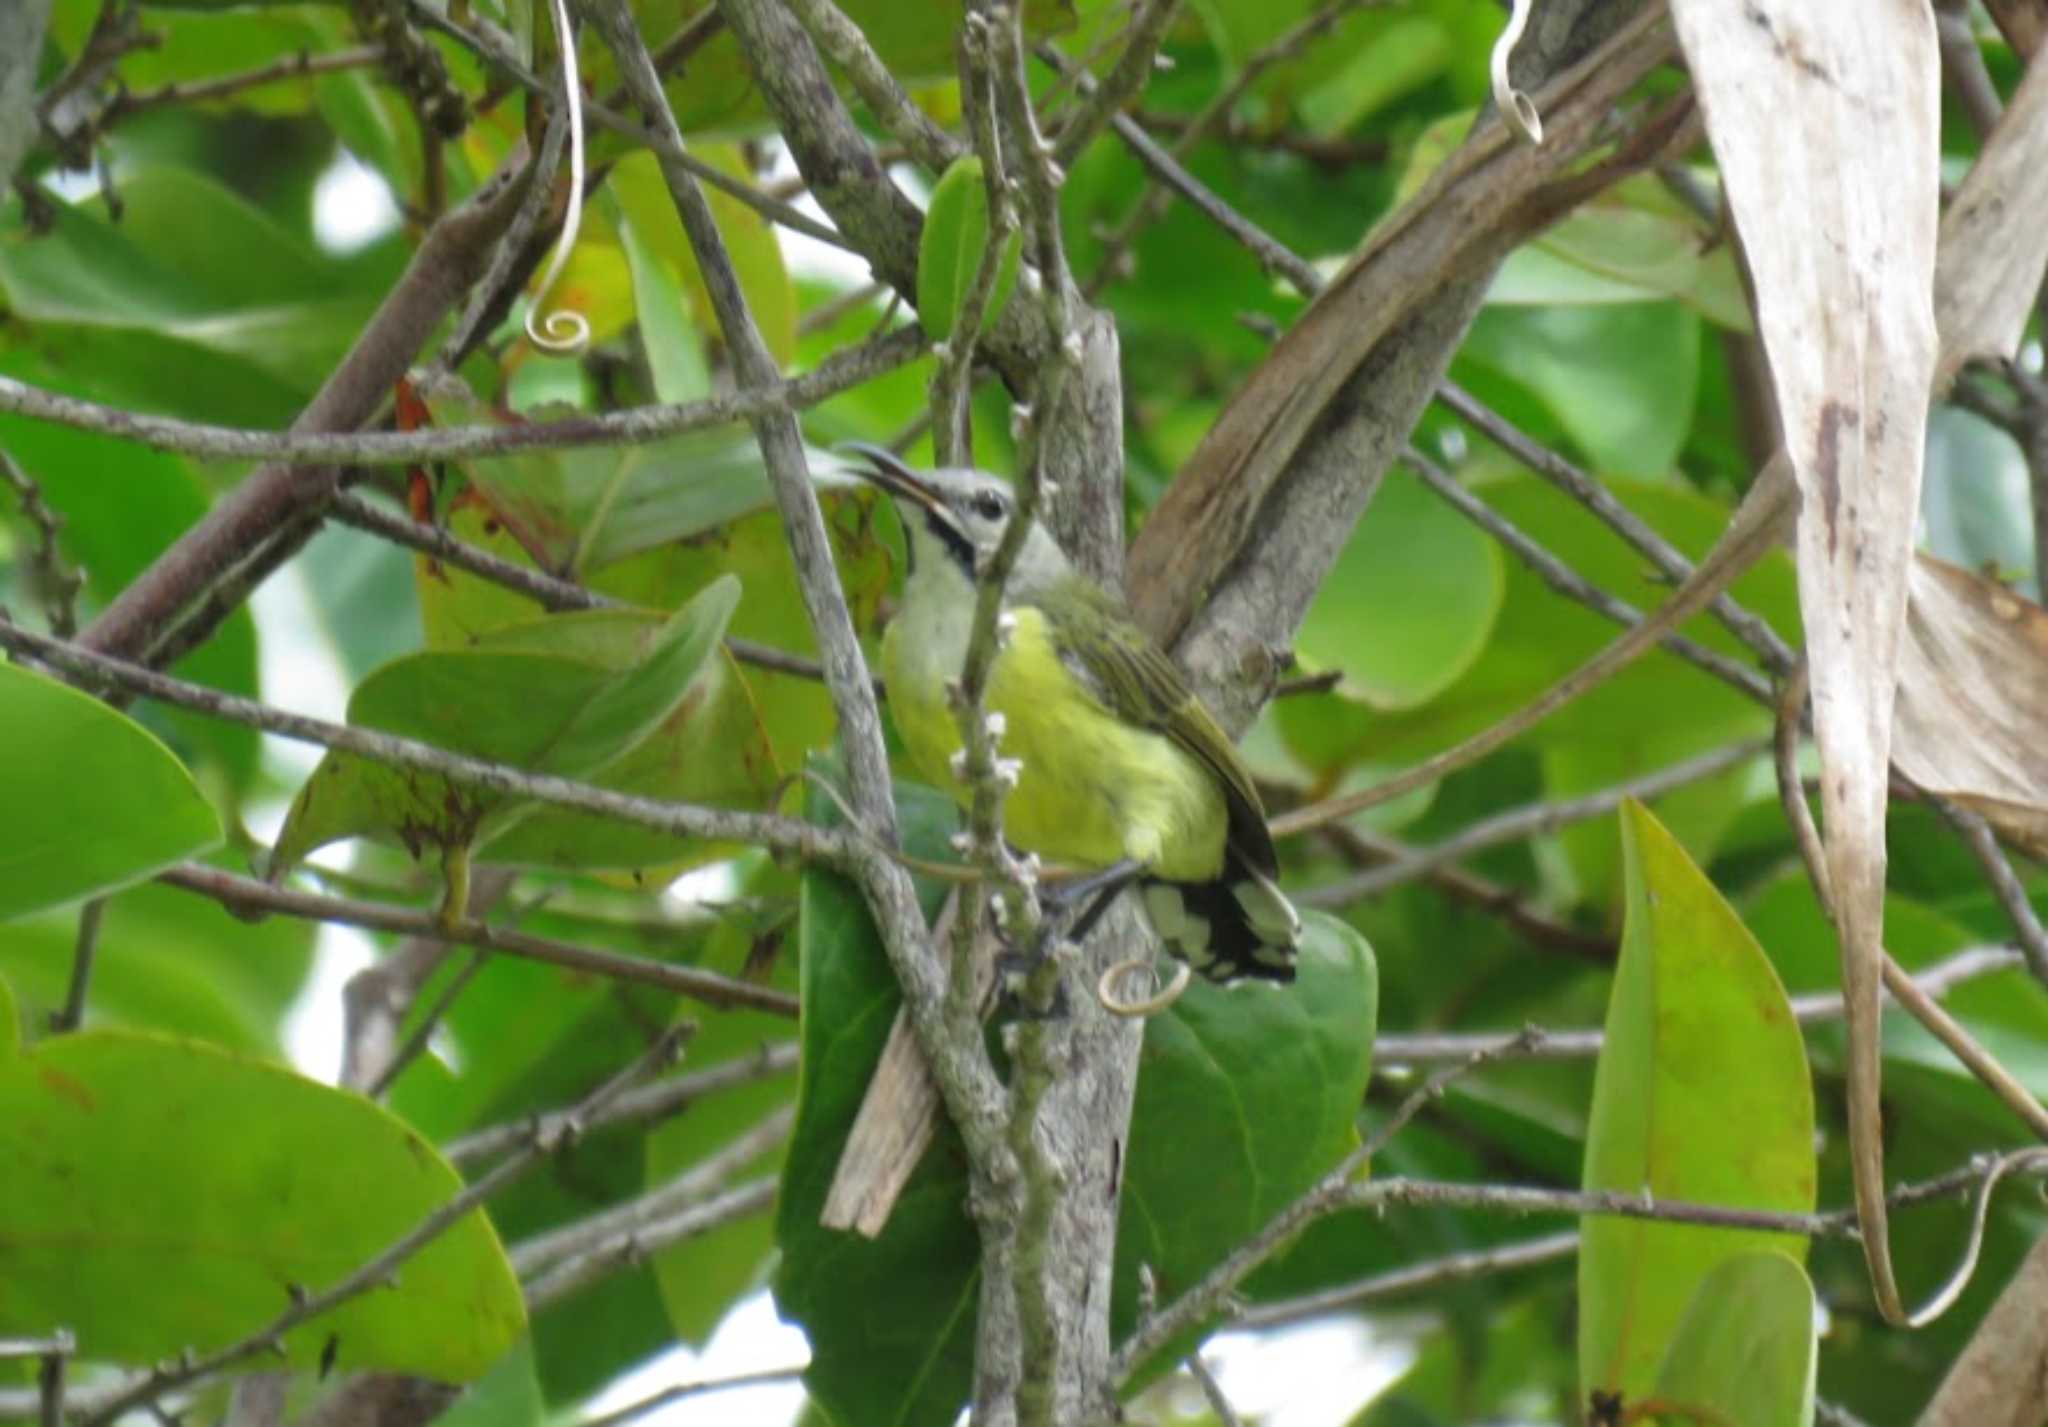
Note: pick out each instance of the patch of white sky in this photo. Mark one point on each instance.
(1315, 1375)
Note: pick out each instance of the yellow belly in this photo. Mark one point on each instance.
(1091, 790)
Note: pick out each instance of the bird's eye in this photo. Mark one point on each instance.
(988, 505)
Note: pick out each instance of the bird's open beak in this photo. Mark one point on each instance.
(888, 472)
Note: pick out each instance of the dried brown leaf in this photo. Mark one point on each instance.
(1994, 238)
(1972, 708)
(1825, 120)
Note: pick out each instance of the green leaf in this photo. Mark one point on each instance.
(578, 510)
(122, 507)
(1746, 1349)
(1633, 243)
(506, 1396)
(191, 264)
(570, 695)
(1247, 1095)
(94, 801)
(911, 1364)
(162, 1195)
(1410, 602)
(1622, 380)
(675, 355)
(956, 235)
(756, 253)
(1701, 1094)
(168, 961)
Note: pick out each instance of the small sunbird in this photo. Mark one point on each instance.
(1121, 768)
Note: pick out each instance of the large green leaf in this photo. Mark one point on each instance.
(1745, 1351)
(1410, 602)
(1701, 1094)
(1245, 1096)
(571, 695)
(1621, 379)
(911, 1364)
(162, 1195)
(93, 801)
(190, 263)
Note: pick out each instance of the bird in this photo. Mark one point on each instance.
(1120, 767)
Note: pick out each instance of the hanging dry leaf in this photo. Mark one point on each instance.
(1973, 699)
(1994, 238)
(1825, 121)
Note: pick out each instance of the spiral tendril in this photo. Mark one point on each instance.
(564, 331)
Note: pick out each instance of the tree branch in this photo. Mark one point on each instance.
(277, 506)
(634, 426)
(246, 896)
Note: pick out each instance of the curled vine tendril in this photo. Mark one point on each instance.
(1517, 106)
(563, 331)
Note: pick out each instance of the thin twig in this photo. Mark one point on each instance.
(638, 1245)
(1337, 1194)
(2012, 895)
(1212, 1391)
(1752, 629)
(689, 1188)
(960, 1063)
(634, 426)
(84, 947)
(1431, 1273)
(1152, 200)
(645, 1105)
(59, 580)
(679, 819)
(1574, 586)
(766, 1377)
(1104, 100)
(307, 1306)
(1536, 819)
(842, 41)
(550, 592)
(303, 65)
(1273, 255)
(415, 1044)
(953, 379)
(1813, 1008)
(1156, 1329)
(1748, 535)
(1510, 904)
(246, 896)
(1962, 63)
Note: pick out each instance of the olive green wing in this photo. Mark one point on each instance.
(1134, 679)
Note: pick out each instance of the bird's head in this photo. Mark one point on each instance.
(953, 519)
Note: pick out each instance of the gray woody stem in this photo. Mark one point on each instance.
(963, 1068)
